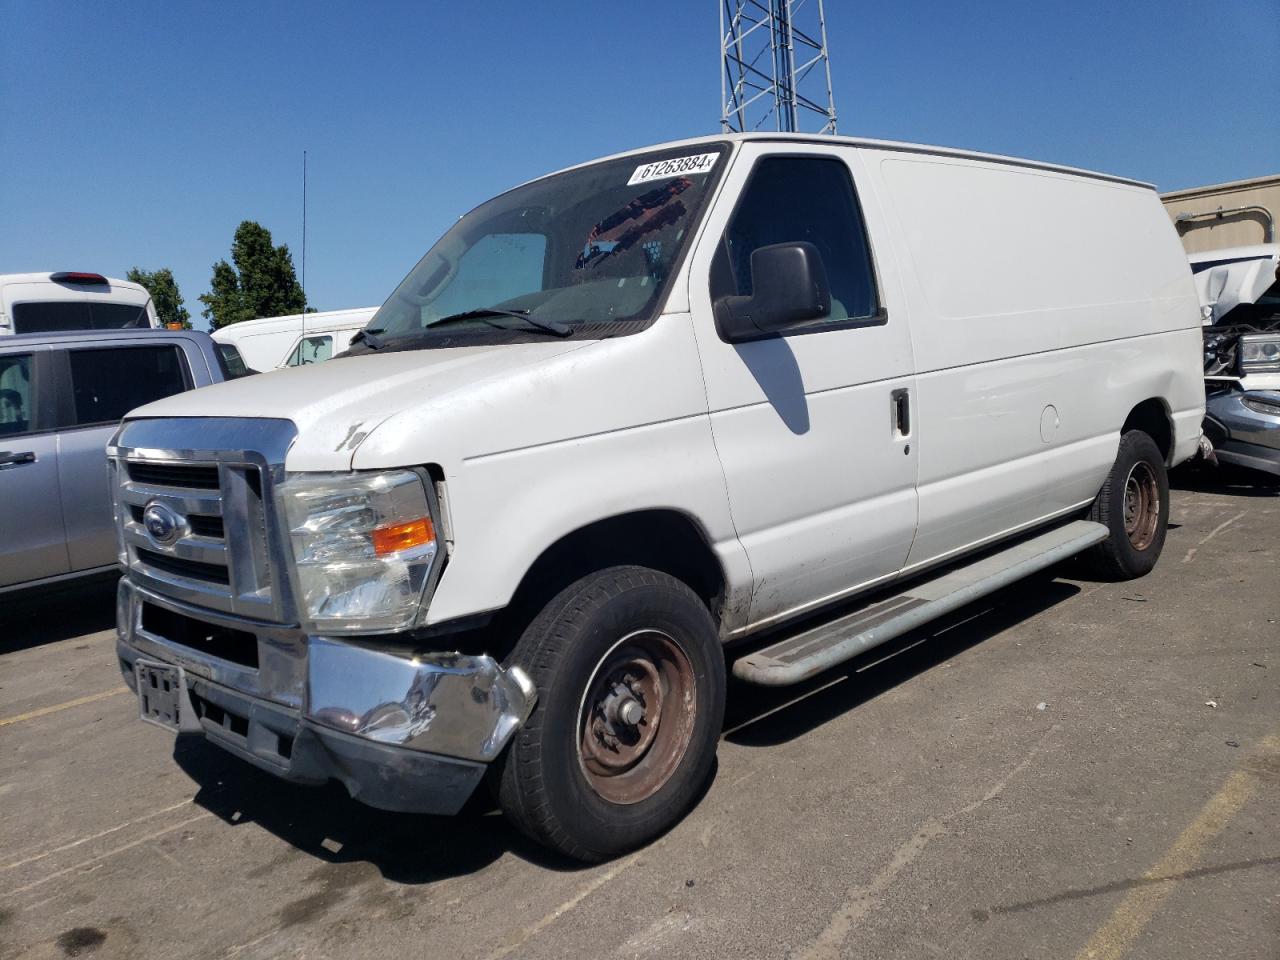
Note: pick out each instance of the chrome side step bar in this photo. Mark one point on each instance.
(802, 655)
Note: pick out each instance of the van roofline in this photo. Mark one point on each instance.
(321, 316)
(47, 277)
(866, 143)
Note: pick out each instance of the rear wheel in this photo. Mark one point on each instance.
(630, 679)
(1133, 505)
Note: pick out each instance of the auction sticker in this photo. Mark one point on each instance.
(677, 166)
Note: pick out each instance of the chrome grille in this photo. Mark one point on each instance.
(211, 492)
(195, 475)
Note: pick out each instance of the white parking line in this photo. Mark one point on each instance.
(110, 853)
(1211, 534)
(75, 843)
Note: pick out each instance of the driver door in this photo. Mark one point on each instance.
(812, 426)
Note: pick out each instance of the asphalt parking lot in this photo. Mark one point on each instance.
(1069, 769)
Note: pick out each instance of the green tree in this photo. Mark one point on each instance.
(164, 295)
(262, 282)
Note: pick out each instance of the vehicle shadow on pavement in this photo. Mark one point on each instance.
(51, 614)
(325, 823)
(1232, 483)
(765, 716)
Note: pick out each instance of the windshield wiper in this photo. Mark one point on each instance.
(370, 338)
(553, 327)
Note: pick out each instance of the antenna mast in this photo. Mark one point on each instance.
(304, 233)
(774, 61)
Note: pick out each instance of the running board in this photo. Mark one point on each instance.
(801, 656)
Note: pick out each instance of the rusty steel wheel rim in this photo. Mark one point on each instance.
(1141, 505)
(636, 717)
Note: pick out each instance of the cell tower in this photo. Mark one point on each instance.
(775, 62)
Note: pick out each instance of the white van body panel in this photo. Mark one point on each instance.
(18, 288)
(1029, 337)
(266, 343)
(565, 443)
(335, 406)
(1023, 357)
(536, 440)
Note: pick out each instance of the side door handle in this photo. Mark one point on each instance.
(27, 456)
(900, 408)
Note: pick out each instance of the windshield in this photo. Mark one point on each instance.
(591, 248)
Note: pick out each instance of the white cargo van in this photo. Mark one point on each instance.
(295, 340)
(625, 420)
(70, 300)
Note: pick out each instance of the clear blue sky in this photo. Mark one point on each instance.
(143, 133)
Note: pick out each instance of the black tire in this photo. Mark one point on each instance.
(570, 650)
(1133, 505)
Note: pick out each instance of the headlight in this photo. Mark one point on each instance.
(363, 547)
(1260, 353)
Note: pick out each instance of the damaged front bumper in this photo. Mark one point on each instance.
(411, 733)
(1244, 428)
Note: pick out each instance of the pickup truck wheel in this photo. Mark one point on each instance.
(630, 678)
(1133, 505)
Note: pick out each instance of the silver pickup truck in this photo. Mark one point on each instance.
(61, 397)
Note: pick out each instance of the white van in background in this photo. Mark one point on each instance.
(295, 340)
(67, 300)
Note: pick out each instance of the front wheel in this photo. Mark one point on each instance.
(1133, 505)
(630, 678)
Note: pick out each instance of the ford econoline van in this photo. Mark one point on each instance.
(749, 404)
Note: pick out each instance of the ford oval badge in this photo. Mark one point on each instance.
(163, 525)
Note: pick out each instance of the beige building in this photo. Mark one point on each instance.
(1226, 214)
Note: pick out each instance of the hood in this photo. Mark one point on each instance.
(336, 405)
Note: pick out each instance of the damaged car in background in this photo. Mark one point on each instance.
(1239, 290)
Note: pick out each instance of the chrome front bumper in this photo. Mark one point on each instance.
(402, 732)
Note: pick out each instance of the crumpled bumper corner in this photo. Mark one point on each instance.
(449, 704)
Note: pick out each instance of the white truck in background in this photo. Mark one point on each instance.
(751, 403)
(72, 300)
(292, 341)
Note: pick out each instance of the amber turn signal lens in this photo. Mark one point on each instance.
(403, 536)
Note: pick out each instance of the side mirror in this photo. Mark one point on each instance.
(789, 287)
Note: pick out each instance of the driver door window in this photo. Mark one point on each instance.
(792, 199)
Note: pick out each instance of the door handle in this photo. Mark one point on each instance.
(900, 407)
(27, 456)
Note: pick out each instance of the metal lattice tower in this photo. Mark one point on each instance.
(775, 61)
